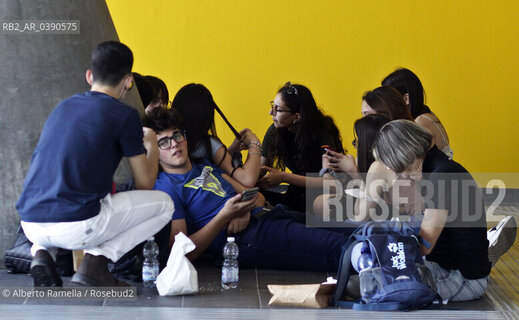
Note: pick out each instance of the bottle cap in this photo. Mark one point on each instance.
(230, 239)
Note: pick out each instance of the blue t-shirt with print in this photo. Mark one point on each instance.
(80, 147)
(198, 195)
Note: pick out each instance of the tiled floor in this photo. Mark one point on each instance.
(252, 292)
(500, 301)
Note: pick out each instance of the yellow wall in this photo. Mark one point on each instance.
(465, 52)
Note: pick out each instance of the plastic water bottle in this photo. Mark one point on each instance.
(365, 260)
(230, 269)
(368, 283)
(150, 266)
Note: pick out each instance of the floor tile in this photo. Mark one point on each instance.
(266, 277)
(211, 294)
(216, 297)
(147, 297)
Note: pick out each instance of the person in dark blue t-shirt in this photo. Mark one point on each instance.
(66, 201)
(208, 206)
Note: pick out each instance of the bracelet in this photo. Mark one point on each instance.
(255, 144)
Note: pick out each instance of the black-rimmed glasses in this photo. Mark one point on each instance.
(290, 88)
(165, 143)
(275, 108)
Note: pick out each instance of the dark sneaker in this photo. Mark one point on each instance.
(501, 238)
(43, 270)
(93, 272)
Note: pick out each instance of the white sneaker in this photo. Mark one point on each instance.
(501, 238)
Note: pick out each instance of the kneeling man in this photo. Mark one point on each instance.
(66, 201)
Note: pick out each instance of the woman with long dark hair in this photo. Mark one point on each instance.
(408, 84)
(295, 141)
(196, 105)
(161, 97)
(378, 107)
(386, 101)
(366, 131)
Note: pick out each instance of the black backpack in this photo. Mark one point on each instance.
(399, 279)
(18, 259)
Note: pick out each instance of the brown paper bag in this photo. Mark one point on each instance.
(301, 295)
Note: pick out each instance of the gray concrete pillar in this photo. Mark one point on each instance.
(36, 72)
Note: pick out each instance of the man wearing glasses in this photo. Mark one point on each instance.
(209, 205)
(66, 201)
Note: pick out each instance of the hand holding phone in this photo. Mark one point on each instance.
(249, 194)
(325, 148)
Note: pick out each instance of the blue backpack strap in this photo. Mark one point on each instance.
(343, 274)
(367, 228)
(380, 306)
(424, 242)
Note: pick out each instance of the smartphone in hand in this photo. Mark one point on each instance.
(325, 148)
(249, 194)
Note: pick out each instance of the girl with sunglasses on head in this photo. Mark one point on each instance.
(408, 84)
(196, 105)
(294, 141)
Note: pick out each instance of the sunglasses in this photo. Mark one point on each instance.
(290, 88)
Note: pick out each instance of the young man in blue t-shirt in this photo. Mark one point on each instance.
(208, 206)
(66, 201)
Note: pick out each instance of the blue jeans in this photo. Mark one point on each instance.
(275, 241)
(453, 286)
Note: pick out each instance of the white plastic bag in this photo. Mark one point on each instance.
(179, 277)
